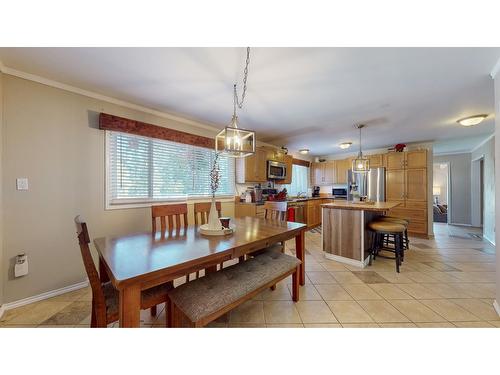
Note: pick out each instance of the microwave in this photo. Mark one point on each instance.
(339, 192)
(276, 170)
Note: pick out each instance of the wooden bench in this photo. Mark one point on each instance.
(206, 299)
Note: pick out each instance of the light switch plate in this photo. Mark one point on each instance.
(22, 183)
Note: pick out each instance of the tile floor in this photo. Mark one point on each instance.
(448, 281)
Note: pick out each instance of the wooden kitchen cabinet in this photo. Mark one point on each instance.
(416, 159)
(341, 168)
(252, 168)
(288, 160)
(376, 161)
(395, 185)
(416, 185)
(395, 160)
(313, 212)
(323, 173)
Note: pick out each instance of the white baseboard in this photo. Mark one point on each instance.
(42, 296)
(490, 241)
(497, 307)
(352, 262)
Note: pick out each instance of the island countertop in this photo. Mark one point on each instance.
(377, 206)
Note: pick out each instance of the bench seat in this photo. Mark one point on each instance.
(205, 299)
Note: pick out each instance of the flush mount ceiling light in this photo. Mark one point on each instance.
(472, 120)
(232, 140)
(304, 151)
(345, 145)
(360, 164)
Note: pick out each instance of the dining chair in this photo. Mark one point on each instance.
(169, 212)
(202, 210)
(105, 298)
(276, 210)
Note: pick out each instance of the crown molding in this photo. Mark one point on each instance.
(482, 142)
(495, 69)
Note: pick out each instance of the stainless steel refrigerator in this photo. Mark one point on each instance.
(370, 184)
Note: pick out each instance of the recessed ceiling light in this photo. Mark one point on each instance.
(304, 151)
(472, 120)
(345, 145)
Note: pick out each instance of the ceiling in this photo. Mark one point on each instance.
(298, 97)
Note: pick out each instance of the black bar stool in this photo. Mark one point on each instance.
(401, 221)
(381, 229)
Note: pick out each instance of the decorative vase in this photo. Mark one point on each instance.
(213, 217)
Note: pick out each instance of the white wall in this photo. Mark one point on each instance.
(497, 180)
(487, 152)
(51, 137)
(440, 179)
(1, 207)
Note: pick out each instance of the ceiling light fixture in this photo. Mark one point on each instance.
(304, 151)
(345, 145)
(360, 164)
(232, 140)
(472, 120)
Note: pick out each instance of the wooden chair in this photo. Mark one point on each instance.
(202, 210)
(276, 210)
(169, 212)
(105, 298)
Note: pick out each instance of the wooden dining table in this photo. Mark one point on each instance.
(140, 261)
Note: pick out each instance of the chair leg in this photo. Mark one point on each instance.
(169, 313)
(241, 259)
(153, 310)
(295, 285)
(397, 250)
(93, 320)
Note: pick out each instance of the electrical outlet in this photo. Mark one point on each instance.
(22, 183)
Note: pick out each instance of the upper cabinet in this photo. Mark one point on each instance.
(288, 160)
(376, 161)
(341, 168)
(395, 160)
(252, 168)
(407, 160)
(323, 173)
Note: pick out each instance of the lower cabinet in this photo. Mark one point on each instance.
(314, 211)
(417, 216)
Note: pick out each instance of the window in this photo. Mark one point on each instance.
(300, 180)
(141, 169)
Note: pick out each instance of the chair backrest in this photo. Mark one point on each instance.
(276, 210)
(88, 262)
(202, 210)
(169, 212)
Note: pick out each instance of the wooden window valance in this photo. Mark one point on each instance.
(125, 125)
(304, 163)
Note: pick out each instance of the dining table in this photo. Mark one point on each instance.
(139, 261)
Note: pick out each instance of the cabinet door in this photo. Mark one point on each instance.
(329, 172)
(416, 159)
(395, 160)
(261, 169)
(341, 168)
(395, 185)
(251, 167)
(376, 161)
(289, 166)
(416, 185)
(315, 174)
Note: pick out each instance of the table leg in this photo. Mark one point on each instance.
(130, 306)
(300, 253)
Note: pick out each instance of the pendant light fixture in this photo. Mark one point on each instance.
(232, 140)
(360, 164)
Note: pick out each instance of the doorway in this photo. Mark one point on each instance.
(441, 193)
(477, 192)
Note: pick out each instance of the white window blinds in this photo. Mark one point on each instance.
(144, 169)
(300, 180)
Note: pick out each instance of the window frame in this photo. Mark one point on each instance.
(148, 202)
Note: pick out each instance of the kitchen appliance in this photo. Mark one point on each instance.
(366, 186)
(339, 193)
(315, 192)
(276, 170)
(257, 193)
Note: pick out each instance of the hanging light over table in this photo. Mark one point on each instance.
(232, 140)
(360, 164)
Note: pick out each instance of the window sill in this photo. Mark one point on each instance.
(146, 204)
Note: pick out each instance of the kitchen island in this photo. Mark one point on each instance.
(344, 234)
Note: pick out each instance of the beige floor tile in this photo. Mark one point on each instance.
(416, 311)
(72, 314)
(495, 323)
(360, 325)
(436, 325)
(70, 296)
(308, 292)
(418, 291)
(281, 293)
(473, 325)
(346, 277)
(248, 312)
(281, 312)
(478, 290)
(314, 266)
(450, 311)
(361, 292)
(333, 292)
(397, 325)
(446, 290)
(246, 325)
(394, 277)
(37, 313)
(443, 277)
(419, 277)
(322, 325)
(390, 291)
(479, 308)
(321, 277)
(285, 325)
(331, 265)
(349, 312)
(383, 312)
(315, 312)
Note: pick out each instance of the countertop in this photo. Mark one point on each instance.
(377, 206)
(291, 200)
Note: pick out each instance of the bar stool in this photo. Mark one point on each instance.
(398, 220)
(387, 228)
